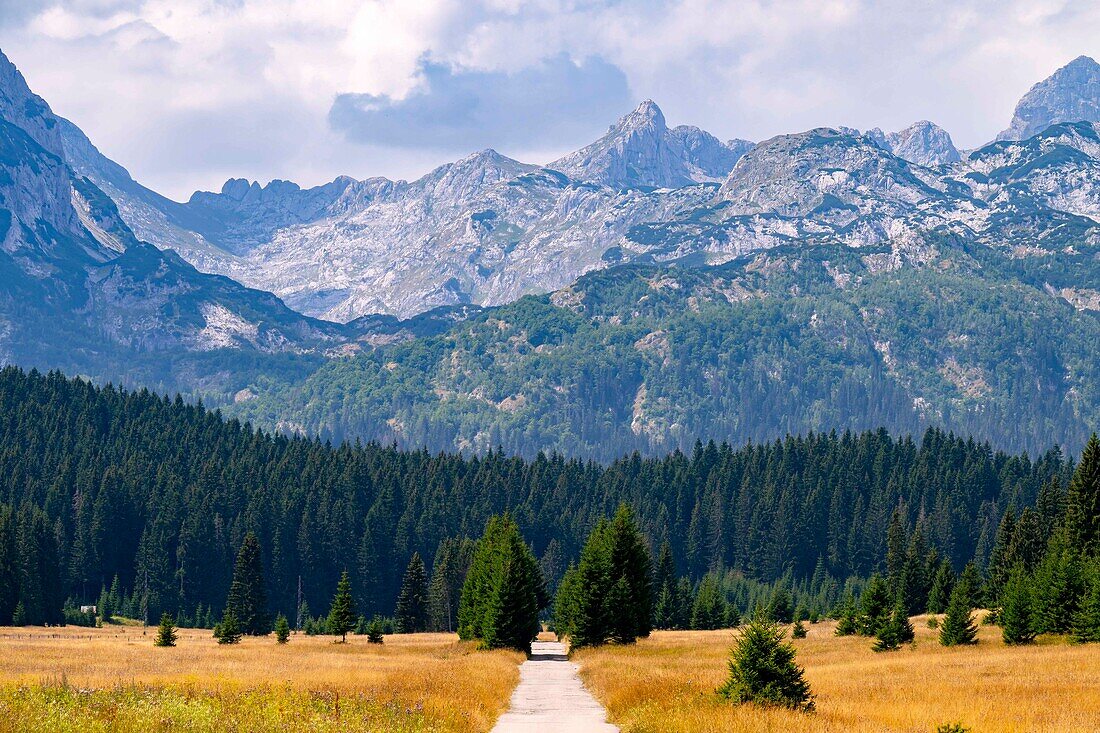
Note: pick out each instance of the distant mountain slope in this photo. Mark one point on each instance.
(799, 338)
(1070, 94)
(80, 292)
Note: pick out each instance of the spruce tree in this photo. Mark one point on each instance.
(874, 606)
(631, 611)
(1086, 624)
(763, 671)
(942, 585)
(374, 631)
(1000, 559)
(342, 615)
(709, 611)
(971, 578)
(798, 631)
(247, 595)
(166, 632)
(591, 621)
(958, 625)
(411, 615)
(504, 590)
(565, 603)
(228, 630)
(282, 629)
(1057, 588)
(664, 584)
(1017, 624)
(104, 609)
(896, 631)
(9, 573)
(846, 624)
(1082, 523)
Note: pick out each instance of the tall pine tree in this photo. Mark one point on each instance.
(247, 594)
(1083, 502)
(411, 615)
(342, 615)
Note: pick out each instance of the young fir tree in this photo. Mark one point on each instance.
(709, 610)
(846, 624)
(798, 631)
(104, 609)
(763, 671)
(342, 615)
(1057, 588)
(1086, 624)
(374, 631)
(1017, 624)
(874, 606)
(971, 578)
(1082, 522)
(247, 596)
(166, 632)
(958, 625)
(282, 629)
(228, 630)
(566, 601)
(664, 584)
(942, 584)
(896, 631)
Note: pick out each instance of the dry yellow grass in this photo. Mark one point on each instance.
(666, 683)
(114, 679)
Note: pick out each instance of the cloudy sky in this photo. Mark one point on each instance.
(186, 93)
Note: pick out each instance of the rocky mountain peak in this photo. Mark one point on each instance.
(641, 151)
(646, 115)
(26, 110)
(924, 143)
(1070, 94)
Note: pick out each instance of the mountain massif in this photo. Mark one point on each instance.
(654, 287)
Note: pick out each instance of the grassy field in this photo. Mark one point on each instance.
(114, 679)
(667, 683)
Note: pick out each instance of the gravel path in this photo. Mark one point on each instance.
(551, 698)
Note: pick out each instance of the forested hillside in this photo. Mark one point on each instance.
(98, 483)
(797, 339)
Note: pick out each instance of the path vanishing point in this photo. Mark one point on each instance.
(551, 697)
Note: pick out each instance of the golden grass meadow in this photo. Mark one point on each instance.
(114, 679)
(666, 683)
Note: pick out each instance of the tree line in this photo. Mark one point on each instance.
(145, 502)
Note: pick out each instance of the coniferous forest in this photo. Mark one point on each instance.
(147, 501)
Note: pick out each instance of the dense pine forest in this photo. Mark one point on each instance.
(103, 487)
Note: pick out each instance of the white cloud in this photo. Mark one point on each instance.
(187, 92)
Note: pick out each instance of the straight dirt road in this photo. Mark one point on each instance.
(551, 698)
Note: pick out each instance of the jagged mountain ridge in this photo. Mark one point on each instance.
(643, 190)
(487, 229)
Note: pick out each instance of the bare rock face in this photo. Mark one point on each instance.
(1071, 94)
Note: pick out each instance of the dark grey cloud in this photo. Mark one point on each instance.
(544, 105)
